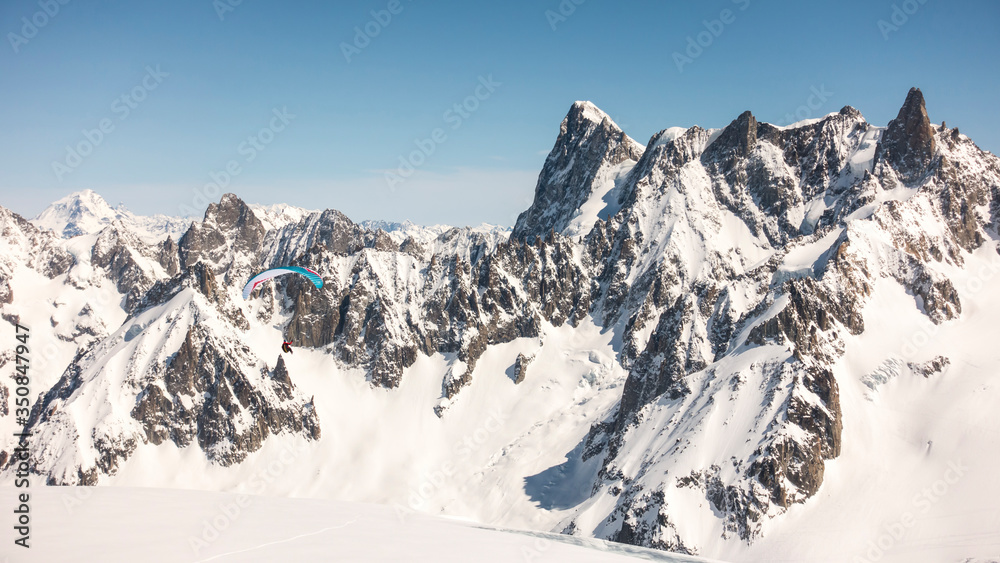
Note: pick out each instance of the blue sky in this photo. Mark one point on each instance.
(270, 80)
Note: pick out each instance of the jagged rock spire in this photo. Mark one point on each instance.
(908, 142)
(739, 137)
(588, 141)
(230, 228)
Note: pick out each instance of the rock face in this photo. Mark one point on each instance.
(208, 399)
(908, 143)
(521, 367)
(730, 265)
(120, 254)
(589, 147)
(464, 302)
(6, 293)
(23, 243)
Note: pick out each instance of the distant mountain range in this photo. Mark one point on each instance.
(87, 213)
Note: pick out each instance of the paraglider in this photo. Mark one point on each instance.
(262, 277)
(275, 272)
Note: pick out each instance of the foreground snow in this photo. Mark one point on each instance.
(158, 525)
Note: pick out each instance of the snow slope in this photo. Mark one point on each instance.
(159, 525)
(491, 460)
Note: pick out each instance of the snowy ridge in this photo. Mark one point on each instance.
(427, 234)
(279, 215)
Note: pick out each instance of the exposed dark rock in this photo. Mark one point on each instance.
(588, 140)
(4, 397)
(660, 369)
(736, 140)
(646, 522)
(169, 256)
(228, 414)
(809, 315)
(930, 368)
(229, 229)
(113, 251)
(908, 142)
(521, 367)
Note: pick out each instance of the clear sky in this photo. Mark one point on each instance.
(186, 88)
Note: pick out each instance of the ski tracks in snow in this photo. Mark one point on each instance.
(279, 542)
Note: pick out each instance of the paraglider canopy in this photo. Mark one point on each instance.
(275, 272)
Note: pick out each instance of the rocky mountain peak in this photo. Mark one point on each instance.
(589, 145)
(585, 123)
(737, 139)
(230, 228)
(230, 213)
(850, 111)
(908, 142)
(583, 114)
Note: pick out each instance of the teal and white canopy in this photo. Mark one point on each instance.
(275, 272)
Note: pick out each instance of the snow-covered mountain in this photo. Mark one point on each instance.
(746, 343)
(279, 215)
(427, 234)
(86, 213)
